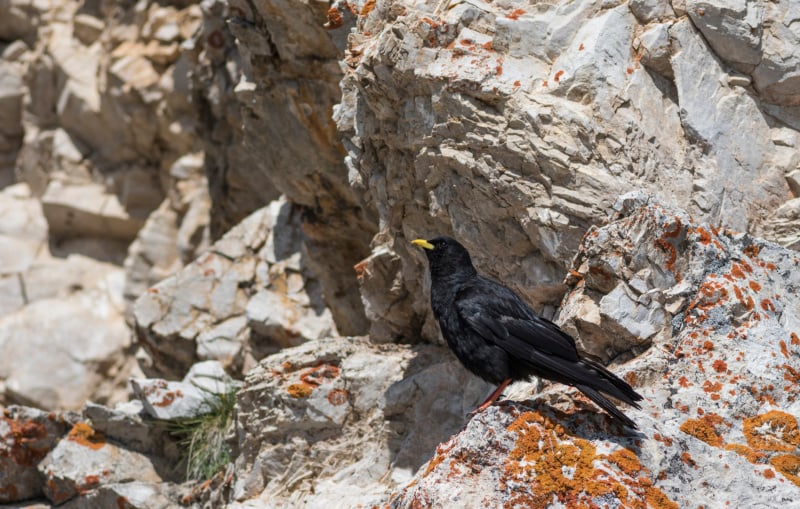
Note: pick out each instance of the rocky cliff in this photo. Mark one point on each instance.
(206, 211)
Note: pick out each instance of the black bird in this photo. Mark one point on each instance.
(498, 337)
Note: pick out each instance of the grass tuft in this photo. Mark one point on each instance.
(202, 438)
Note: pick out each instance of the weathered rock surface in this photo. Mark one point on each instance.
(273, 93)
(63, 334)
(719, 421)
(248, 295)
(515, 127)
(26, 436)
(305, 413)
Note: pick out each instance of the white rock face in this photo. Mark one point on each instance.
(249, 295)
(513, 128)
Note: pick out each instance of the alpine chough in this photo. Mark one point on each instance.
(498, 337)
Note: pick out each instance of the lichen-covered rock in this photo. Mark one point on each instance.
(26, 436)
(718, 424)
(276, 101)
(304, 415)
(84, 460)
(215, 308)
(514, 128)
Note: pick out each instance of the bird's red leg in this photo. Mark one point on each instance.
(493, 396)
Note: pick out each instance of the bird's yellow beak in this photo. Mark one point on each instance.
(424, 244)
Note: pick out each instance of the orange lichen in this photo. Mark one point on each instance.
(664, 440)
(558, 75)
(755, 286)
(772, 431)
(769, 474)
(687, 459)
(581, 47)
(705, 236)
(684, 382)
(751, 250)
(672, 254)
(369, 5)
(560, 467)
(338, 397)
(736, 270)
(795, 340)
(320, 374)
(784, 349)
(168, 398)
(83, 434)
(746, 452)
(360, 269)
(788, 465)
(515, 14)
(710, 387)
(703, 429)
(720, 366)
(301, 390)
(23, 441)
(791, 374)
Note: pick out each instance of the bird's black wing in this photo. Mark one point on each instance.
(500, 316)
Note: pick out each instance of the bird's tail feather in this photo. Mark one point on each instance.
(614, 385)
(607, 405)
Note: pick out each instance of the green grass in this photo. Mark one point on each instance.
(202, 438)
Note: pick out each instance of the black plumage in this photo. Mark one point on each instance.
(498, 337)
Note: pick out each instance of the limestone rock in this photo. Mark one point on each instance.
(219, 306)
(720, 390)
(26, 436)
(784, 225)
(133, 495)
(301, 410)
(467, 121)
(167, 400)
(283, 87)
(60, 352)
(84, 460)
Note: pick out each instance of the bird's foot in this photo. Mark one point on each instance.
(492, 397)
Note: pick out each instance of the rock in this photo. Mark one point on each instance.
(793, 179)
(308, 165)
(285, 321)
(26, 436)
(125, 424)
(198, 313)
(783, 225)
(776, 77)
(468, 122)
(173, 234)
(720, 390)
(84, 460)
(655, 47)
(651, 10)
(309, 403)
(20, 18)
(133, 495)
(733, 30)
(87, 28)
(60, 352)
(167, 401)
(87, 210)
(23, 231)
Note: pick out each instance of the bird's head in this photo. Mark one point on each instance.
(446, 256)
